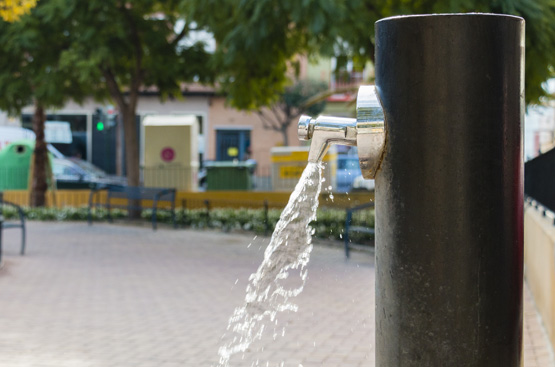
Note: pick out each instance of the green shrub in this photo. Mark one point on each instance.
(330, 223)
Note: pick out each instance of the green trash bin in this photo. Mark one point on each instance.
(15, 162)
(229, 175)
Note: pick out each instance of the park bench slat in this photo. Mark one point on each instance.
(136, 198)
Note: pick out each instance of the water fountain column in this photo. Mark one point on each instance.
(449, 191)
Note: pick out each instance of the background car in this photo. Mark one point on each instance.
(74, 173)
(348, 168)
(360, 183)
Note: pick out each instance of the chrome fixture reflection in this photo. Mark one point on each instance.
(366, 132)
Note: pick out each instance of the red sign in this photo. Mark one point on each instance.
(167, 154)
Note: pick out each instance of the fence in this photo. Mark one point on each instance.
(264, 178)
(259, 178)
(195, 200)
(539, 174)
(181, 178)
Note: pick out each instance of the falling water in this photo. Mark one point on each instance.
(287, 254)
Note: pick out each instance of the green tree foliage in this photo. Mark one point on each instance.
(292, 103)
(30, 73)
(122, 48)
(538, 14)
(108, 49)
(258, 39)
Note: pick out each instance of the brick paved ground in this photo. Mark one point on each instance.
(113, 295)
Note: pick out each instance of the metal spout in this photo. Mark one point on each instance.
(325, 131)
(366, 132)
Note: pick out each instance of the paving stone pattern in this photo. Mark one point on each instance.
(119, 296)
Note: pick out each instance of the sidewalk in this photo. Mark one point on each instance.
(119, 296)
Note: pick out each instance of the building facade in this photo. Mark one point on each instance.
(224, 133)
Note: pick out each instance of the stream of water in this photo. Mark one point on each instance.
(270, 289)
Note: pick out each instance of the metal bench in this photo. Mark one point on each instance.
(12, 224)
(132, 198)
(351, 228)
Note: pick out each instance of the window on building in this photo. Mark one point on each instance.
(233, 144)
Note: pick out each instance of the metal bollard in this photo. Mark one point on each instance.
(449, 191)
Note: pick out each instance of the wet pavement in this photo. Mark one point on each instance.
(120, 295)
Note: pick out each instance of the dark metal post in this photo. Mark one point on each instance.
(449, 198)
(266, 219)
(346, 239)
(207, 204)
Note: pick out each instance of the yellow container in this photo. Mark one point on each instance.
(288, 164)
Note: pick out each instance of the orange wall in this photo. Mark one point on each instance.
(261, 140)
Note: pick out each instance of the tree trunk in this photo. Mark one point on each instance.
(119, 145)
(127, 110)
(131, 146)
(285, 136)
(131, 157)
(38, 183)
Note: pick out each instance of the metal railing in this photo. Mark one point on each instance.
(180, 178)
(282, 178)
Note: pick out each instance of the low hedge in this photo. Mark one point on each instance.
(330, 223)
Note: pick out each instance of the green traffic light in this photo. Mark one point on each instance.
(100, 126)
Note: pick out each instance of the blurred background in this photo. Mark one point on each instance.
(206, 95)
(203, 97)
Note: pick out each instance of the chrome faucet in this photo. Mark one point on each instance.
(366, 132)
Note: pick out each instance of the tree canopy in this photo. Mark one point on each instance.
(30, 68)
(107, 49)
(31, 73)
(258, 39)
(114, 49)
(123, 48)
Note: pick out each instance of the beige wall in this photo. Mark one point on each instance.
(261, 140)
(539, 260)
